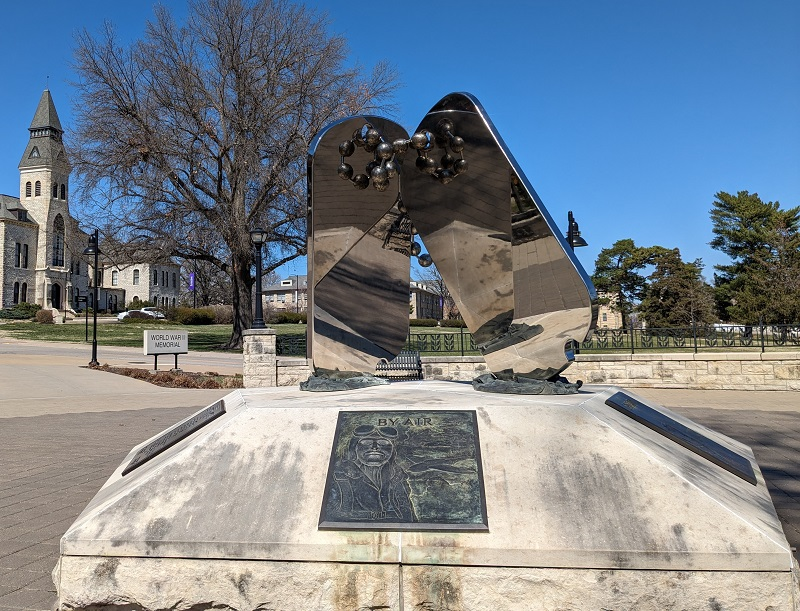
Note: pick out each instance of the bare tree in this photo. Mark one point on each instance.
(431, 277)
(202, 129)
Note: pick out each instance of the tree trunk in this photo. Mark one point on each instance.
(242, 298)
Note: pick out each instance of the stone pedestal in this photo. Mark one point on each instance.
(586, 508)
(260, 361)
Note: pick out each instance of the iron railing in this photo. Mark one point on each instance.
(699, 338)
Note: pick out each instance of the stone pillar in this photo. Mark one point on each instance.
(260, 365)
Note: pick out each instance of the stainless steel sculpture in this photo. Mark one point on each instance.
(519, 287)
(359, 245)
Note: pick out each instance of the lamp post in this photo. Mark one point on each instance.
(94, 249)
(574, 238)
(258, 237)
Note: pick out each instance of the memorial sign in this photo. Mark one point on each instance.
(169, 341)
(683, 435)
(173, 435)
(405, 470)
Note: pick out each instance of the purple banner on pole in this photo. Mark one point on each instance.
(191, 281)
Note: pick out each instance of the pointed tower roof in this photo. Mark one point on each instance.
(45, 148)
(46, 115)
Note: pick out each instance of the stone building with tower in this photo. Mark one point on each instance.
(41, 245)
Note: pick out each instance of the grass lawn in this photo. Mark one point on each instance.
(201, 337)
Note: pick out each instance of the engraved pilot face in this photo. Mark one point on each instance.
(375, 446)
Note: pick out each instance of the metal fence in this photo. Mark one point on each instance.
(728, 337)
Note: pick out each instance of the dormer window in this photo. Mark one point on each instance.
(34, 153)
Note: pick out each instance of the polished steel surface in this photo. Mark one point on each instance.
(358, 251)
(519, 287)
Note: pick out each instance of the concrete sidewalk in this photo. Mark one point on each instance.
(65, 428)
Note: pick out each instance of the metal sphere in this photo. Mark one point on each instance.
(460, 166)
(457, 144)
(421, 163)
(400, 146)
(381, 185)
(446, 176)
(370, 148)
(392, 169)
(385, 150)
(358, 135)
(414, 230)
(415, 249)
(372, 137)
(345, 171)
(347, 148)
(447, 161)
(401, 206)
(379, 174)
(429, 166)
(420, 141)
(425, 260)
(444, 126)
(371, 166)
(361, 181)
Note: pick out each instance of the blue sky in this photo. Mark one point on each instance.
(632, 114)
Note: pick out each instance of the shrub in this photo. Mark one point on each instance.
(288, 318)
(138, 304)
(44, 317)
(135, 316)
(223, 314)
(454, 322)
(423, 322)
(21, 311)
(194, 316)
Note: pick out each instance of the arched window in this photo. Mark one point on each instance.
(115, 278)
(38, 188)
(174, 302)
(25, 256)
(174, 280)
(16, 293)
(63, 191)
(155, 277)
(136, 276)
(28, 189)
(58, 241)
(18, 259)
(55, 190)
(24, 294)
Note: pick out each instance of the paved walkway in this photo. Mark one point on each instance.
(65, 428)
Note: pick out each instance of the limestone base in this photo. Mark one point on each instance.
(179, 584)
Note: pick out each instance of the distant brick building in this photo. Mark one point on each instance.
(424, 302)
(290, 295)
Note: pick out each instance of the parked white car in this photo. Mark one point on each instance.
(152, 312)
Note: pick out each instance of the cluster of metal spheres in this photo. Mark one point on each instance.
(386, 155)
(425, 259)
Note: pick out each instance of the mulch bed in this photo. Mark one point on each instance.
(177, 379)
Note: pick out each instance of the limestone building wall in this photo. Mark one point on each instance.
(159, 283)
(11, 234)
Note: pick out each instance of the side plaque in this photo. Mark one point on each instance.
(173, 435)
(683, 435)
(405, 470)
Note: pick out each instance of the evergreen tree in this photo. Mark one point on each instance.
(763, 241)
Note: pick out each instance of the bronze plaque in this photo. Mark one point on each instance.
(683, 435)
(405, 470)
(174, 434)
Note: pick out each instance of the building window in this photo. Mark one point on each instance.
(58, 240)
(24, 294)
(77, 268)
(115, 278)
(55, 190)
(25, 256)
(18, 258)
(16, 293)
(164, 279)
(605, 317)
(63, 191)
(174, 280)
(282, 298)
(155, 277)
(136, 276)
(38, 188)
(28, 189)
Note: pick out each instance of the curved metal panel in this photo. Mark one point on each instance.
(519, 287)
(358, 256)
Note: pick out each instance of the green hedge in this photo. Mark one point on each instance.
(423, 322)
(288, 318)
(454, 322)
(21, 311)
(194, 316)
